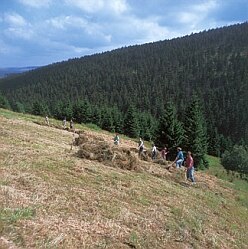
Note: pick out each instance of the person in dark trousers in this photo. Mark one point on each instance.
(116, 139)
(190, 167)
(71, 124)
(47, 120)
(154, 151)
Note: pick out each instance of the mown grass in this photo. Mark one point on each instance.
(49, 198)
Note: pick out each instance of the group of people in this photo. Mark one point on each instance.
(179, 160)
(64, 123)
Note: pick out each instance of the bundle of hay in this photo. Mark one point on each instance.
(101, 151)
(125, 159)
(161, 162)
(81, 139)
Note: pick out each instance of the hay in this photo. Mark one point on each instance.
(161, 162)
(95, 148)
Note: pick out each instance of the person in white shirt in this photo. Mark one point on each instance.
(154, 152)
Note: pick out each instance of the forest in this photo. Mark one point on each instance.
(190, 91)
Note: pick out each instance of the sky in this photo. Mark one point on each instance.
(41, 32)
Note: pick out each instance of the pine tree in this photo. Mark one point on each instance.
(78, 112)
(107, 120)
(148, 126)
(4, 102)
(214, 142)
(96, 117)
(117, 120)
(38, 108)
(196, 132)
(170, 129)
(131, 124)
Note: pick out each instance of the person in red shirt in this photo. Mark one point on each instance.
(190, 167)
(164, 152)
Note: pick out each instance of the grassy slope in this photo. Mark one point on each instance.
(49, 198)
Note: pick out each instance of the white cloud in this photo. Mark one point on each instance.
(93, 6)
(36, 3)
(118, 6)
(63, 22)
(14, 19)
(196, 13)
(145, 30)
(23, 33)
(75, 30)
(17, 26)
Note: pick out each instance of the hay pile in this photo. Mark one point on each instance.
(95, 148)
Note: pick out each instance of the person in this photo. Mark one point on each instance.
(141, 146)
(179, 158)
(64, 123)
(71, 124)
(116, 139)
(47, 120)
(154, 151)
(190, 167)
(164, 152)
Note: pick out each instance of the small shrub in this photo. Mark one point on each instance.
(236, 159)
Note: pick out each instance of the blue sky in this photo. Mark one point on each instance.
(40, 32)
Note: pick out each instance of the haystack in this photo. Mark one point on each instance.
(95, 148)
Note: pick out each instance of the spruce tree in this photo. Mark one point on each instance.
(170, 130)
(38, 108)
(117, 120)
(196, 132)
(131, 124)
(96, 116)
(148, 126)
(107, 120)
(4, 102)
(213, 142)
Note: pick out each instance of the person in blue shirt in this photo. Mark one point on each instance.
(179, 158)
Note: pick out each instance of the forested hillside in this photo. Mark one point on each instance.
(212, 64)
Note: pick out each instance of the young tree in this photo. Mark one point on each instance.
(131, 124)
(82, 112)
(148, 126)
(236, 159)
(196, 132)
(4, 102)
(107, 120)
(214, 141)
(117, 120)
(38, 108)
(170, 129)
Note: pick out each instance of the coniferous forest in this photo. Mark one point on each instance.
(190, 91)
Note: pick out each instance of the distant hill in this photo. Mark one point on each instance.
(213, 64)
(4, 72)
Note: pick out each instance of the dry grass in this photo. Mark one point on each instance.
(51, 198)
